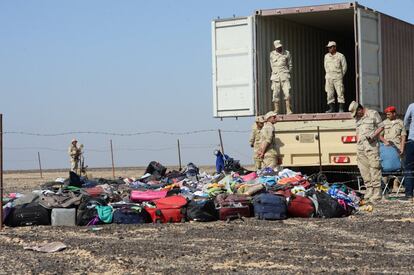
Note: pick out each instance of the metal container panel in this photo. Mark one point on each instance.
(397, 41)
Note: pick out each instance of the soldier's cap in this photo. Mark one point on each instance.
(269, 115)
(260, 119)
(74, 140)
(390, 109)
(353, 107)
(277, 44)
(330, 44)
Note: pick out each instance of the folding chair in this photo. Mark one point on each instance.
(391, 166)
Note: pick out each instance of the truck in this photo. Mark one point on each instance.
(378, 49)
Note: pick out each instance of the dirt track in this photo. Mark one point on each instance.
(377, 242)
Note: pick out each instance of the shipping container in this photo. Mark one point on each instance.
(378, 48)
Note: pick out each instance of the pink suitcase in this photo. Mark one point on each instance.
(149, 195)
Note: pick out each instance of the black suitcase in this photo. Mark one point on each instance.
(156, 169)
(28, 214)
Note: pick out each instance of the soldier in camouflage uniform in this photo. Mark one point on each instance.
(255, 141)
(267, 150)
(335, 68)
(281, 64)
(369, 126)
(75, 154)
(394, 135)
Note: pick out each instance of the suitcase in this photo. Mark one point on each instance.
(270, 207)
(169, 209)
(301, 207)
(28, 214)
(129, 214)
(233, 212)
(140, 196)
(156, 168)
(63, 217)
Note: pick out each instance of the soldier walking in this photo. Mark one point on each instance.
(335, 68)
(255, 141)
(368, 127)
(267, 151)
(281, 64)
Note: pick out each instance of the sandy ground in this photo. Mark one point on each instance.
(367, 242)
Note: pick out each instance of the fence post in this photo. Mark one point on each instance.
(1, 171)
(221, 142)
(179, 153)
(40, 165)
(112, 157)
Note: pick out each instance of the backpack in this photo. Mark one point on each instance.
(202, 210)
(268, 206)
(329, 207)
(156, 169)
(87, 210)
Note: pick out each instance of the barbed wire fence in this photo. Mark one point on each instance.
(168, 148)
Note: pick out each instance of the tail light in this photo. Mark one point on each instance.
(341, 159)
(349, 139)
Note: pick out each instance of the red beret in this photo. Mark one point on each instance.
(390, 109)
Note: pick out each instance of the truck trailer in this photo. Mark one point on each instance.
(379, 52)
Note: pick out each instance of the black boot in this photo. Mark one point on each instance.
(341, 107)
(331, 108)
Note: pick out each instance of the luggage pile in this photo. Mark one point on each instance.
(179, 196)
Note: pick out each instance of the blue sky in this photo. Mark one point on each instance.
(119, 66)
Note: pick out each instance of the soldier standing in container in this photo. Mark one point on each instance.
(267, 151)
(281, 64)
(368, 127)
(394, 135)
(75, 153)
(335, 68)
(255, 141)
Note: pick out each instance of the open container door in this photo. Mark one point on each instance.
(233, 67)
(370, 93)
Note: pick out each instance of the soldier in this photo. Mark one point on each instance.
(368, 127)
(267, 151)
(281, 64)
(409, 154)
(255, 141)
(394, 135)
(75, 154)
(335, 68)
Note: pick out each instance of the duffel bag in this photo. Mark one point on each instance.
(87, 212)
(329, 207)
(269, 207)
(299, 206)
(202, 210)
(129, 214)
(149, 195)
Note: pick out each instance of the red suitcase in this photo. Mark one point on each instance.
(169, 209)
(95, 192)
(231, 213)
(301, 207)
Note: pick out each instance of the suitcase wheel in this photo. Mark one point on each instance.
(183, 219)
(157, 220)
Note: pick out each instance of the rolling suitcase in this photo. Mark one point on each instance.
(28, 214)
(169, 209)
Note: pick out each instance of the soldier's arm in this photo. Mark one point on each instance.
(403, 137)
(379, 124)
(252, 137)
(325, 63)
(344, 65)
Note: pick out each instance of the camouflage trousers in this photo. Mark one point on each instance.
(332, 85)
(370, 168)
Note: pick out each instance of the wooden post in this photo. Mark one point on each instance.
(221, 142)
(1, 171)
(40, 165)
(179, 153)
(112, 157)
